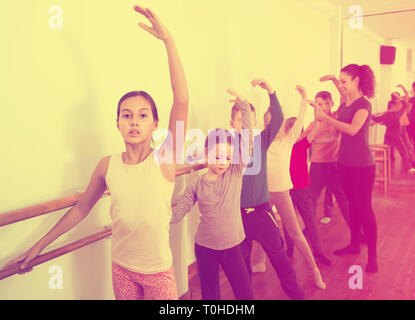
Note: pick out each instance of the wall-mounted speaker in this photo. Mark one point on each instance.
(387, 55)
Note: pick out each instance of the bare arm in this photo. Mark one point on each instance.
(349, 128)
(307, 131)
(179, 110)
(303, 105)
(336, 82)
(406, 93)
(312, 133)
(295, 131)
(379, 118)
(74, 216)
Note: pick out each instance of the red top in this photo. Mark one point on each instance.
(299, 166)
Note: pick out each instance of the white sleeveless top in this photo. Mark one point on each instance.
(141, 214)
(278, 160)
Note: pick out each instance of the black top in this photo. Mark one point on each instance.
(255, 186)
(411, 115)
(355, 150)
(391, 119)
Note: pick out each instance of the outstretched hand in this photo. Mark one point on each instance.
(24, 260)
(329, 77)
(262, 83)
(396, 95)
(301, 91)
(237, 97)
(312, 103)
(157, 29)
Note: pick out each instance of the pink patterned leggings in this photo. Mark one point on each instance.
(129, 285)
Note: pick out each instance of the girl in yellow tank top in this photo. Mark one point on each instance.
(141, 188)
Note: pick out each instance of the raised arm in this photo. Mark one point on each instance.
(307, 131)
(74, 216)
(179, 110)
(304, 103)
(298, 125)
(277, 117)
(406, 93)
(247, 140)
(336, 82)
(349, 128)
(311, 132)
(380, 118)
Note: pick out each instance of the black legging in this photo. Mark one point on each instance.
(233, 264)
(395, 140)
(358, 185)
(411, 132)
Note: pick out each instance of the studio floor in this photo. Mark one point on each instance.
(395, 214)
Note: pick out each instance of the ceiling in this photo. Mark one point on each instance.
(392, 26)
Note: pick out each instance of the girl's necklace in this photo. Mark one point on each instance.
(123, 157)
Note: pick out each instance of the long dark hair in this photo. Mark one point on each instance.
(367, 82)
(143, 94)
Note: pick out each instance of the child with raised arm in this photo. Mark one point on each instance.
(411, 117)
(324, 154)
(393, 138)
(141, 189)
(404, 120)
(257, 216)
(279, 185)
(301, 194)
(218, 193)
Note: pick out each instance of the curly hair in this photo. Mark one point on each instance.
(367, 82)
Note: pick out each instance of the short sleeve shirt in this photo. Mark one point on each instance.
(355, 150)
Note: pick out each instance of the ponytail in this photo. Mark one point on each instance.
(367, 81)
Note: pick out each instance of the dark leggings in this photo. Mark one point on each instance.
(395, 140)
(324, 174)
(411, 133)
(358, 185)
(233, 264)
(260, 225)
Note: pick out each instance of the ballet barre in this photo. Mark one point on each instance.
(55, 205)
(41, 209)
(14, 216)
(15, 268)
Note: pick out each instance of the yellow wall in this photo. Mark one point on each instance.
(362, 46)
(59, 90)
(400, 72)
